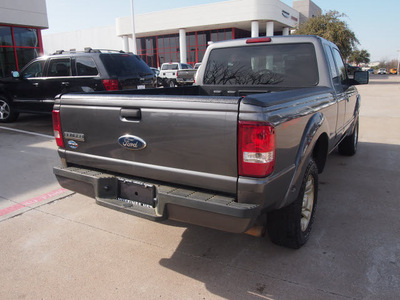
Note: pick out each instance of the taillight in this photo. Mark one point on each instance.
(259, 40)
(57, 129)
(110, 84)
(256, 149)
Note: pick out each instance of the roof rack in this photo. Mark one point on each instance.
(89, 50)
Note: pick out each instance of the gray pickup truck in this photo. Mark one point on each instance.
(239, 152)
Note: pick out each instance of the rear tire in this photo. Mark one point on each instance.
(349, 144)
(7, 112)
(291, 226)
(171, 83)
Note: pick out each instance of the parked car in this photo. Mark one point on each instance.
(382, 71)
(159, 80)
(371, 71)
(393, 71)
(34, 88)
(175, 73)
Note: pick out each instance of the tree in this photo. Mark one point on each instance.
(359, 56)
(387, 64)
(330, 27)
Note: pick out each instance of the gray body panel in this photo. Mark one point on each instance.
(190, 141)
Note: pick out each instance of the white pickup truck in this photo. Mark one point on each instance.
(175, 73)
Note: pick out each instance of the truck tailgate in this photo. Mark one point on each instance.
(187, 140)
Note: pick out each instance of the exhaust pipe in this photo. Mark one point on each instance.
(256, 231)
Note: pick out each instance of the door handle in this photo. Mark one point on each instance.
(131, 114)
(36, 84)
(65, 83)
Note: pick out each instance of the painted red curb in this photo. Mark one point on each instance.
(32, 201)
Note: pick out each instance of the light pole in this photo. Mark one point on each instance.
(398, 63)
(134, 48)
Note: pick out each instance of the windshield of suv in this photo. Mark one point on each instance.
(286, 65)
(125, 65)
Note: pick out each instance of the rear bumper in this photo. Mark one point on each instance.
(184, 81)
(187, 205)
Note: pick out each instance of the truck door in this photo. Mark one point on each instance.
(350, 92)
(337, 69)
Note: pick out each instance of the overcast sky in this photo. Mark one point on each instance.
(375, 23)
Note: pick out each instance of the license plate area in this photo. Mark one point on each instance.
(138, 193)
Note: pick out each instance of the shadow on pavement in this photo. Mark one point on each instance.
(33, 123)
(353, 251)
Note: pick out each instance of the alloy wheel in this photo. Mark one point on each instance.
(308, 203)
(4, 110)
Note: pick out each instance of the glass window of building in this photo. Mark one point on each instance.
(18, 46)
(165, 48)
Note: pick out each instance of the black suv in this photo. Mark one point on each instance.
(34, 88)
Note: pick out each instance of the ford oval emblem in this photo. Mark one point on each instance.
(73, 144)
(132, 142)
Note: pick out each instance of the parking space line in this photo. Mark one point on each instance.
(32, 201)
(27, 132)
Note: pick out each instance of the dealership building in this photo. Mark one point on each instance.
(21, 23)
(180, 34)
(183, 34)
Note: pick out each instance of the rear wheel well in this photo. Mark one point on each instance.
(320, 152)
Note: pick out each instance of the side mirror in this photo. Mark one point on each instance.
(15, 74)
(361, 77)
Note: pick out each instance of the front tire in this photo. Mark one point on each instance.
(291, 226)
(7, 112)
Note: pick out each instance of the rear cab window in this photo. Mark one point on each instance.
(169, 67)
(284, 65)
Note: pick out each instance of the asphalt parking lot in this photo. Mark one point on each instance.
(60, 245)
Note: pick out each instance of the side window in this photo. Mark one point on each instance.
(332, 66)
(35, 69)
(60, 67)
(85, 66)
(334, 71)
(340, 65)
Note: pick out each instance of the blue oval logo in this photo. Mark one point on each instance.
(132, 142)
(73, 144)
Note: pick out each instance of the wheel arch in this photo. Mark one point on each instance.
(314, 145)
(314, 141)
(320, 151)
